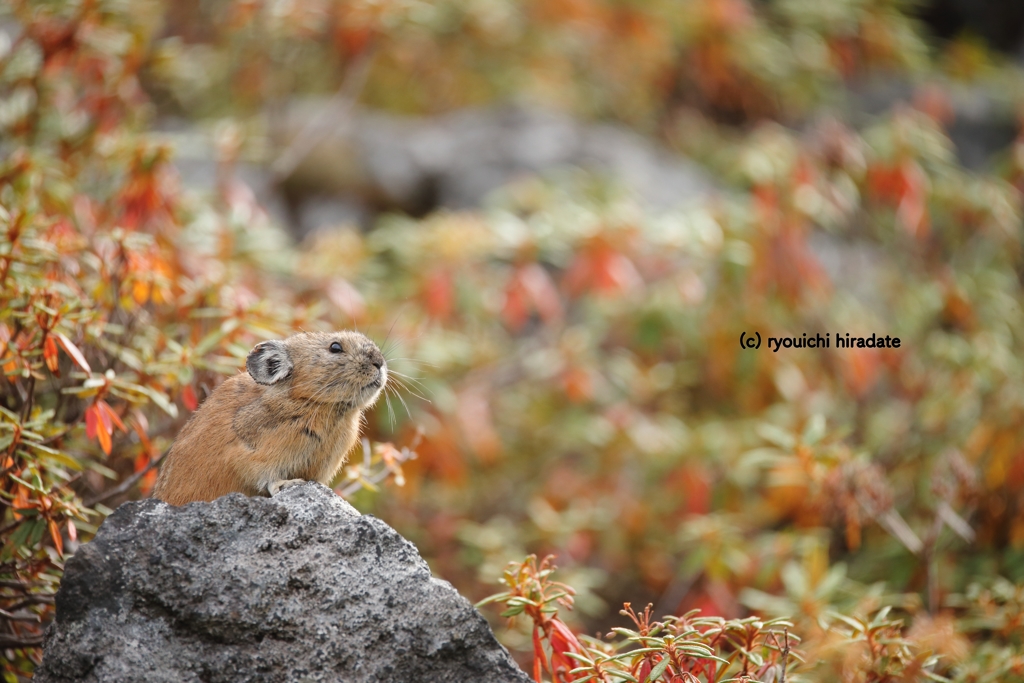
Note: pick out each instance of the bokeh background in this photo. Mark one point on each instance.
(557, 217)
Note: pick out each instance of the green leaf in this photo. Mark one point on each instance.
(658, 670)
(161, 401)
(815, 430)
(776, 435)
(38, 528)
(497, 597)
(64, 459)
(102, 469)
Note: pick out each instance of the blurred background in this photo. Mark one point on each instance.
(556, 217)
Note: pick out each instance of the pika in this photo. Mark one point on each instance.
(292, 418)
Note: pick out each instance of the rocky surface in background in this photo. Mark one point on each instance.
(454, 161)
(299, 587)
(369, 162)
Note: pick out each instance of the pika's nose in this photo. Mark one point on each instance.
(377, 358)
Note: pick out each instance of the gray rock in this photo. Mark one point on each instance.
(299, 587)
(370, 162)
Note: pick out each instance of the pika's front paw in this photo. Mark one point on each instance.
(283, 484)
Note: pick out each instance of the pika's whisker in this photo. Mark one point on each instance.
(405, 381)
(387, 402)
(399, 397)
(412, 360)
(405, 387)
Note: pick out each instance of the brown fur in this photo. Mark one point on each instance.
(276, 423)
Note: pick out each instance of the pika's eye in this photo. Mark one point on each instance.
(336, 348)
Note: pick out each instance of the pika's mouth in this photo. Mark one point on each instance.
(378, 381)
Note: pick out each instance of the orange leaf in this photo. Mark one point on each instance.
(74, 352)
(104, 416)
(50, 355)
(578, 384)
(55, 535)
(141, 291)
(98, 424)
(148, 482)
(72, 530)
(105, 443)
(5, 338)
(113, 416)
(20, 501)
(861, 369)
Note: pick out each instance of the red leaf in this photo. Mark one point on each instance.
(563, 640)
(477, 422)
(73, 351)
(346, 297)
(530, 288)
(92, 420)
(542, 290)
(50, 355)
(579, 274)
(539, 660)
(140, 422)
(615, 273)
(188, 397)
(514, 312)
(439, 292)
(645, 670)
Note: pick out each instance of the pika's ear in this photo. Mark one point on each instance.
(269, 362)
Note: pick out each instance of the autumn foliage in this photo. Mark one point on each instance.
(571, 377)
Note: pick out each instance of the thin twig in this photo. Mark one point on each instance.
(127, 483)
(19, 617)
(28, 641)
(26, 409)
(785, 654)
(12, 525)
(339, 107)
(32, 600)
